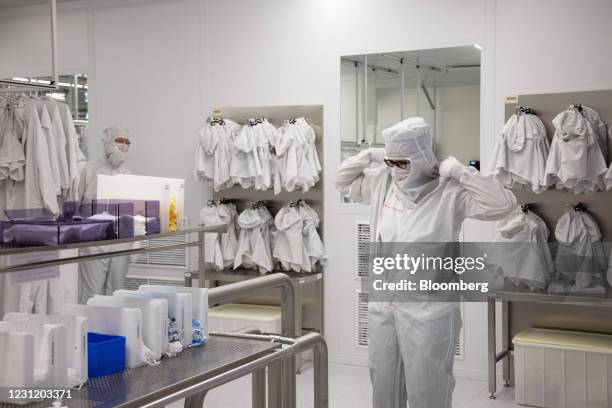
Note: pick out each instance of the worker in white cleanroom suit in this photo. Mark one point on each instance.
(415, 200)
(104, 276)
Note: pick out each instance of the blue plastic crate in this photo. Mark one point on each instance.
(105, 354)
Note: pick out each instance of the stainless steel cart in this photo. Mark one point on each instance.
(190, 375)
(226, 356)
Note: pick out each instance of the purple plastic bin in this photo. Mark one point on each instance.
(55, 232)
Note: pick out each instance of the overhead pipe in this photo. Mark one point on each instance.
(365, 99)
(402, 88)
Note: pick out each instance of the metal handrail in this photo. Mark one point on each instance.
(251, 287)
(313, 341)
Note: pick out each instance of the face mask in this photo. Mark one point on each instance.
(113, 155)
(124, 148)
(400, 175)
(413, 178)
(116, 158)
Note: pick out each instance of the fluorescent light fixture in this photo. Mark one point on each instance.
(478, 46)
(68, 85)
(58, 96)
(32, 81)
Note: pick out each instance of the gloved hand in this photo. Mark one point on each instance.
(377, 154)
(452, 168)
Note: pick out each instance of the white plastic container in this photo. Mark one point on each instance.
(132, 187)
(16, 360)
(232, 317)
(115, 321)
(555, 368)
(76, 342)
(199, 300)
(154, 319)
(179, 309)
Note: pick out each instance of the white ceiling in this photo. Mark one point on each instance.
(443, 59)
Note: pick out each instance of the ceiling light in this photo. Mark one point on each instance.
(58, 95)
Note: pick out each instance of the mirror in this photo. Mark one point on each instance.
(442, 85)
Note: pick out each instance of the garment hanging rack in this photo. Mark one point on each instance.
(255, 121)
(258, 204)
(524, 109)
(212, 120)
(12, 102)
(298, 203)
(576, 106)
(25, 87)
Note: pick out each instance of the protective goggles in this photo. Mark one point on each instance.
(402, 164)
(123, 140)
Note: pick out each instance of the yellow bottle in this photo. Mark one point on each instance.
(172, 216)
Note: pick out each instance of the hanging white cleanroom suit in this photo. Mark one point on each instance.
(37, 189)
(214, 152)
(75, 157)
(297, 244)
(59, 142)
(297, 161)
(520, 248)
(12, 157)
(289, 248)
(264, 134)
(415, 205)
(313, 244)
(220, 248)
(580, 258)
(520, 153)
(254, 249)
(103, 276)
(576, 162)
(599, 127)
(245, 166)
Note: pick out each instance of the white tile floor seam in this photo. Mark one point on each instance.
(349, 387)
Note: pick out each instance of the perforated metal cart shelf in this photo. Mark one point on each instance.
(141, 386)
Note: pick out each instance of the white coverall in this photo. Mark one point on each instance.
(418, 337)
(103, 276)
(520, 154)
(521, 250)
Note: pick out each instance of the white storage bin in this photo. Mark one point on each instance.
(133, 187)
(555, 368)
(232, 317)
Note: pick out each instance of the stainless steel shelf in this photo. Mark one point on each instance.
(138, 387)
(506, 297)
(242, 274)
(110, 254)
(604, 300)
(29, 249)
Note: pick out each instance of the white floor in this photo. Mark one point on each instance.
(349, 387)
